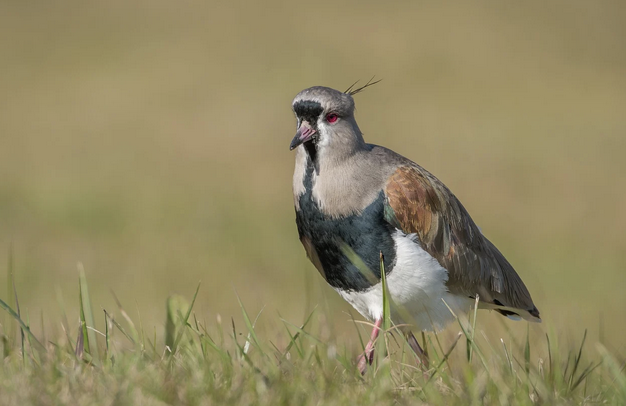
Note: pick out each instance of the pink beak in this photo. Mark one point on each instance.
(305, 133)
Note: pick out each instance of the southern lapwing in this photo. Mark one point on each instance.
(357, 198)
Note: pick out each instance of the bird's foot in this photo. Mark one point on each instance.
(422, 356)
(367, 357)
(364, 360)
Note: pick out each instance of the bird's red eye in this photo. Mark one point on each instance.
(331, 118)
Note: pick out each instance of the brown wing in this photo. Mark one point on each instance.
(417, 202)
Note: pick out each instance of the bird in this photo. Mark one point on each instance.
(358, 200)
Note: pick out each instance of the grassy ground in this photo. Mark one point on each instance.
(149, 142)
(220, 362)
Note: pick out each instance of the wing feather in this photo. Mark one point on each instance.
(417, 202)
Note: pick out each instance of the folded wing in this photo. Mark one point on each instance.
(418, 203)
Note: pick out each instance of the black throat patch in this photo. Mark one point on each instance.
(309, 111)
(366, 234)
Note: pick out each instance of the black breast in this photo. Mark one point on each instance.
(366, 234)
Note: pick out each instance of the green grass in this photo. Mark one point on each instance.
(221, 362)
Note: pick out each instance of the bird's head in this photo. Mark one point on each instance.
(326, 120)
(324, 116)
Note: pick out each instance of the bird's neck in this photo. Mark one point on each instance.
(339, 150)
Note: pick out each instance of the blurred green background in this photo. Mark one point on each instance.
(149, 141)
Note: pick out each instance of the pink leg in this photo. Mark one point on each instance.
(368, 356)
(422, 356)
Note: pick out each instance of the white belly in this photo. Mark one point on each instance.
(417, 288)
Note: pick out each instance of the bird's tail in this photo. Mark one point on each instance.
(513, 313)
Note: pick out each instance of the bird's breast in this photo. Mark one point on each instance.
(345, 249)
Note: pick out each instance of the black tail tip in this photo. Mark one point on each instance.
(534, 312)
(507, 313)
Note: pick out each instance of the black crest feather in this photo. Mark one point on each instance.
(369, 83)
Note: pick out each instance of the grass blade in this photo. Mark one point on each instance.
(527, 351)
(470, 347)
(23, 325)
(386, 325)
(179, 336)
(64, 321)
(294, 338)
(381, 345)
(119, 327)
(107, 336)
(133, 329)
(84, 341)
(176, 306)
(17, 307)
(576, 362)
(300, 330)
(249, 326)
(11, 325)
(508, 357)
(444, 360)
(80, 342)
(86, 317)
(550, 366)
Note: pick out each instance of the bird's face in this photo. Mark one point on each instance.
(325, 118)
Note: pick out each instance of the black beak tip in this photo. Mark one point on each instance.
(295, 142)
